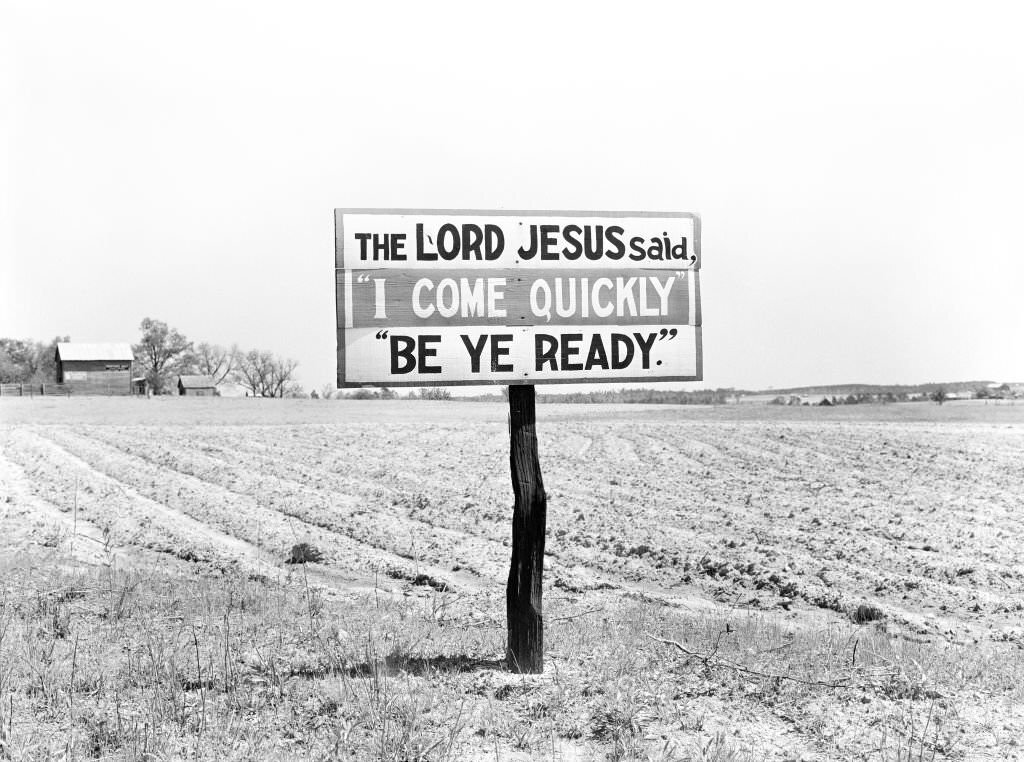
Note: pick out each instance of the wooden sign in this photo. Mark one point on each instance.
(429, 298)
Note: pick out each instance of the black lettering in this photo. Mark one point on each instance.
(529, 253)
(397, 244)
(570, 351)
(679, 250)
(636, 244)
(474, 351)
(472, 237)
(448, 231)
(570, 233)
(593, 242)
(495, 242)
(596, 357)
(401, 349)
(645, 347)
(548, 241)
(621, 341)
(421, 253)
(362, 238)
(499, 349)
(544, 348)
(427, 352)
(612, 234)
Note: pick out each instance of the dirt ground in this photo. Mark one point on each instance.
(905, 518)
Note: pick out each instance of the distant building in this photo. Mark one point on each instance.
(86, 368)
(196, 386)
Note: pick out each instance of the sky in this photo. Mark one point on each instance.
(858, 168)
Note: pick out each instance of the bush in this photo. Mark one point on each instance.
(304, 553)
(865, 612)
(435, 393)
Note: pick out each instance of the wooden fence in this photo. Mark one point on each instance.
(35, 390)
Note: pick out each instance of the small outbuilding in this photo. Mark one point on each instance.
(196, 386)
(88, 368)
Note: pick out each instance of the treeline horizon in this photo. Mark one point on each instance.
(836, 394)
(162, 354)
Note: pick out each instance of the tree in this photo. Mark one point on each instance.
(47, 366)
(253, 371)
(10, 370)
(24, 361)
(266, 375)
(160, 353)
(281, 382)
(939, 395)
(215, 361)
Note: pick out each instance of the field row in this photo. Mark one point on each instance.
(916, 518)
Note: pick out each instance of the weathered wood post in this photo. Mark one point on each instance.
(524, 594)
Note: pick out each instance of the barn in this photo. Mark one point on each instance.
(196, 386)
(86, 368)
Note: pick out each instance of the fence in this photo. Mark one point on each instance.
(35, 390)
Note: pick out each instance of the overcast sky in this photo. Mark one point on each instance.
(859, 168)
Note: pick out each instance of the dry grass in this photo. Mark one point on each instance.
(105, 664)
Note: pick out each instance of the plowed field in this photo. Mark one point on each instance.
(799, 516)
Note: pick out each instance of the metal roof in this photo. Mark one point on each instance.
(77, 350)
(196, 382)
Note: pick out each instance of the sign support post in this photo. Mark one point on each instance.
(524, 594)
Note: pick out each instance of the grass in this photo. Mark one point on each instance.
(109, 664)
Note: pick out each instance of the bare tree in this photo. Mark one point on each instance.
(266, 375)
(253, 371)
(215, 361)
(281, 382)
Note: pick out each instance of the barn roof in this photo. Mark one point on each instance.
(196, 382)
(78, 350)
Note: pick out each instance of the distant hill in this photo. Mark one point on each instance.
(843, 390)
(836, 392)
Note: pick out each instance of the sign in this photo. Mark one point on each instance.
(429, 298)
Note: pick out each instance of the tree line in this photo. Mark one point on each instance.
(165, 353)
(161, 355)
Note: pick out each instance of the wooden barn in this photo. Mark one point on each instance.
(196, 386)
(86, 368)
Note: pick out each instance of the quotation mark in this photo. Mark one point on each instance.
(671, 334)
(363, 278)
(382, 334)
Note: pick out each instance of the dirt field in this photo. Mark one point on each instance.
(721, 583)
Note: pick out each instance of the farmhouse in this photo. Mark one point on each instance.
(86, 368)
(196, 386)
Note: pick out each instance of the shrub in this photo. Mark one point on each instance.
(304, 553)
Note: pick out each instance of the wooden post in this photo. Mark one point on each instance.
(524, 594)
